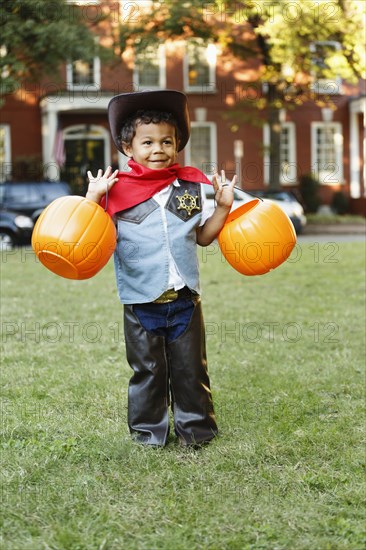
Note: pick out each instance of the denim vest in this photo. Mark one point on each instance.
(141, 257)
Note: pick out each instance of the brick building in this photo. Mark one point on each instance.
(61, 124)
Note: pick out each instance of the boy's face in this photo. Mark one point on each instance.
(153, 146)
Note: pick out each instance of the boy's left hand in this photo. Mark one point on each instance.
(224, 192)
(224, 197)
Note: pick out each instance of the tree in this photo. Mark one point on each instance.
(38, 36)
(295, 43)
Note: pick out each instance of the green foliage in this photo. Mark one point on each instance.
(309, 189)
(164, 21)
(36, 37)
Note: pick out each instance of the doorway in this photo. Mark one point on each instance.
(86, 148)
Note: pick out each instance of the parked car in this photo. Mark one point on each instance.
(283, 199)
(240, 197)
(15, 229)
(288, 202)
(30, 198)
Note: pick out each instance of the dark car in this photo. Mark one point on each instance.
(30, 198)
(15, 229)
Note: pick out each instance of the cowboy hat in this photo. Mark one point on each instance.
(122, 106)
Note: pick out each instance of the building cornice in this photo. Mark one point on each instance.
(85, 101)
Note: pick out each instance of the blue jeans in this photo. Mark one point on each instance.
(168, 320)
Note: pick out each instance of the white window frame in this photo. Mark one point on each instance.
(96, 77)
(326, 86)
(161, 58)
(211, 53)
(332, 174)
(285, 179)
(5, 168)
(212, 161)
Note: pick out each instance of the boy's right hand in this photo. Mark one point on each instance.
(99, 184)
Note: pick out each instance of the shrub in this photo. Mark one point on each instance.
(339, 202)
(309, 188)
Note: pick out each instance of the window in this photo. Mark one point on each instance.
(322, 53)
(149, 72)
(81, 74)
(200, 67)
(327, 152)
(5, 152)
(287, 153)
(201, 150)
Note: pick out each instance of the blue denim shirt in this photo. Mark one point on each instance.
(146, 232)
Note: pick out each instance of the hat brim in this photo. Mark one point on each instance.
(122, 106)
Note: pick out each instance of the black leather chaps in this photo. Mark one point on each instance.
(164, 374)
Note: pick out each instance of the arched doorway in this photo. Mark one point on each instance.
(87, 147)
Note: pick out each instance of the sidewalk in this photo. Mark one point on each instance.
(335, 229)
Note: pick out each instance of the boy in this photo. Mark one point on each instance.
(160, 218)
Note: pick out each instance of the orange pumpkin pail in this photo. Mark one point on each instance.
(74, 237)
(257, 237)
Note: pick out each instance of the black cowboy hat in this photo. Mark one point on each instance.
(171, 101)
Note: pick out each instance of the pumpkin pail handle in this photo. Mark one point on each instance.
(249, 193)
(240, 189)
(106, 200)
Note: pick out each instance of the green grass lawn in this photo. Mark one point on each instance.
(286, 360)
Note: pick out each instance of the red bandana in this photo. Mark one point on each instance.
(142, 183)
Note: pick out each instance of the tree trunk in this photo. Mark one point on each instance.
(275, 140)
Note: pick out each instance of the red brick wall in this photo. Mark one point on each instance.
(22, 112)
(25, 120)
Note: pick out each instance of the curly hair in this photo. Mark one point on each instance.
(128, 130)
